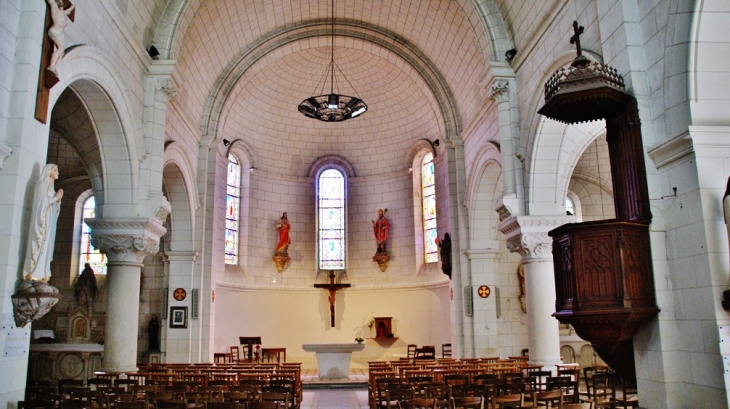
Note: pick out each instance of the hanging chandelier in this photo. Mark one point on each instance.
(332, 107)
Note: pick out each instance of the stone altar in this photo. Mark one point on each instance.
(333, 359)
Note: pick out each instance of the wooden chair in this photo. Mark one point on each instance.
(584, 405)
(417, 403)
(468, 402)
(456, 379)
(220, 405)
(170, 404)
(602, 390)
(282, 398)
(264, 405)
(411, 351)
(548, 399)
(469, 389)
(439, 392)
(36, 404)
(446, 350)
(131, 405)
(398, 392)
(239, 397)
(567, 385)
(510, 400)
(538, 380)
(425, 353)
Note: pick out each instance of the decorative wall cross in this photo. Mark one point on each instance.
(332, 287)
(56, 14)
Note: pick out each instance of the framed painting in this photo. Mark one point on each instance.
(178, 317)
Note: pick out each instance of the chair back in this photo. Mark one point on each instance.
(549, 399)
(467, 402)
(446, 350)
(510, 400)
(417, 403)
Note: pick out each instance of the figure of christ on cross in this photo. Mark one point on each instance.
(332, 287)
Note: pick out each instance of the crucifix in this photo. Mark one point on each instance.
(332, 287)
(57, 14)
(579, 60)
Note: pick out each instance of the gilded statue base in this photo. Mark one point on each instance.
(382, 260)
(32, 300)
(280, 259)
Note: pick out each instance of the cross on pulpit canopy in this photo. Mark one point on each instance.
(332, 287)
(575, 39)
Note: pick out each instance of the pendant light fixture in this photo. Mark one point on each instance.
(332, 107)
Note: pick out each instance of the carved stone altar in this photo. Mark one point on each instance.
(333, 359)
(64, 361)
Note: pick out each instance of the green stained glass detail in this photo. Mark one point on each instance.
(88, 253)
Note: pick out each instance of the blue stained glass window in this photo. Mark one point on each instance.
(88, 253)
(331, 208)
(233, 204)
(428, 190)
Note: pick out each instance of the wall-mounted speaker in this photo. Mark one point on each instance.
(194, 307)
(469, 301)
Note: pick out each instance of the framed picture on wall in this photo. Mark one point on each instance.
(178, 317)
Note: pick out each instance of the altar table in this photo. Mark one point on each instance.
(333, 359)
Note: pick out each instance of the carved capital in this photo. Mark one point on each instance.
(126, 240)
(167, 87)
(528, 235)
(499, 91)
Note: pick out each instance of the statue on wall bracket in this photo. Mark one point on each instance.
(281, 257)
(381, 229)
(34, 297)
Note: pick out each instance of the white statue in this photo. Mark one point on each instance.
(42, 232)
(59, 17)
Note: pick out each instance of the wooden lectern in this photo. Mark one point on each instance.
(249, 341)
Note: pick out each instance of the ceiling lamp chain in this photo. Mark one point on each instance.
(333, 107)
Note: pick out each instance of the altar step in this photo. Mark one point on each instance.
(358, 379)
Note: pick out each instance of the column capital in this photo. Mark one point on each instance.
(126, 241)
(528, 235)
(499, 90)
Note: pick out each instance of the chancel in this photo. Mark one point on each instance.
(510, 186)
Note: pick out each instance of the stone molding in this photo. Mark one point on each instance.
(528, 235)
(167, 86)
(126, 240)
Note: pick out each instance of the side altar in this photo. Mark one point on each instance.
(333, 359)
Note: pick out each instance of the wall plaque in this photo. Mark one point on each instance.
(16, 342)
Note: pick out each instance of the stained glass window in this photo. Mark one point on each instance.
(88, 253)
(331, 208)
(233, 204)
(428, 189)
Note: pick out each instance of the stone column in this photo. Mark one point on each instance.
(527, 235)
(126, 242)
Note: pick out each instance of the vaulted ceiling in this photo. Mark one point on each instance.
(246, 65)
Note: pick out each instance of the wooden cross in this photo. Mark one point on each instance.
(47, 79)
(332, 287)
(579, 60)
(575, 39)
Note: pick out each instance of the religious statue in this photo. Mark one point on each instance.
(153, 332)
(42, 231)
(59, 17)
(281, 257)
(381, 228)
(85, 288)
(445, 251)
(284, 240)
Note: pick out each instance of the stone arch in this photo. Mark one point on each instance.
(181, 191)
(484, 187)
(335, 160)
(380, 37)
(487, 22)
(100, 86)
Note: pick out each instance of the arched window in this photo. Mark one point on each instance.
(233, 205)
(331, 219)
(569, 207)
(87, 252)
(428, 190)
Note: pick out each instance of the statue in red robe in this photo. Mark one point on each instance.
(381, 228)
(283, 226)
